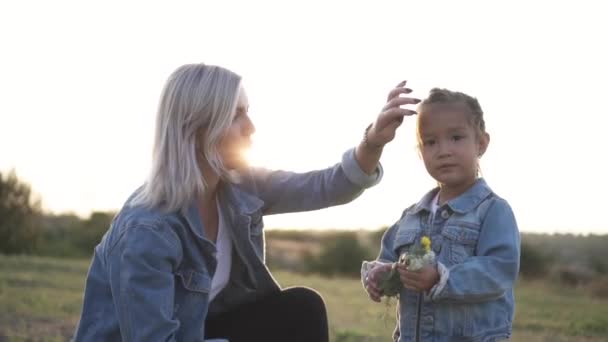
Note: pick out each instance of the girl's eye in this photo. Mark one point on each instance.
(457, 137)
(428, 142)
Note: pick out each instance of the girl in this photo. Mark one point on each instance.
(184, 258)
(468, 294)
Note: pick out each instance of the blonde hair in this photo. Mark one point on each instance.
(196, 108)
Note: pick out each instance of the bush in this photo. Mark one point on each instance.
(574, 275)
(533, 263)
(70, 236)
(598, 265)
(599, 287)
(340, 255)
(19, 216)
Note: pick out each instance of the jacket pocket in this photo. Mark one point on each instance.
(195, 281)
(461, 241)
(404, 239)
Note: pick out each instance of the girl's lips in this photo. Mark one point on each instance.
(446, 166)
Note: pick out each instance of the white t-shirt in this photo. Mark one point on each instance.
(435, 203)
(224, 257)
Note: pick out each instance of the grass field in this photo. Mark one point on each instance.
(40, 300)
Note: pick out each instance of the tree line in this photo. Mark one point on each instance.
(26, 229)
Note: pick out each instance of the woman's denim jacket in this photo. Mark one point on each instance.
(477, 246)
(150, 276)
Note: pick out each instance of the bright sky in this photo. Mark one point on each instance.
(79, 84)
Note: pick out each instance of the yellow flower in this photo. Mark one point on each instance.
(426, 243)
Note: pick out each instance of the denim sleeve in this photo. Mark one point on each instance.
(387, 252)
(493, 270)
(141, 276)
(284, 192)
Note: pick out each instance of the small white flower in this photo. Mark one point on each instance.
(415, 264)
(429, 257)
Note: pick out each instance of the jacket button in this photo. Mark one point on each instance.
(445, 214)
(436, 248)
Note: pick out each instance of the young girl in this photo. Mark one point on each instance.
(467, 295)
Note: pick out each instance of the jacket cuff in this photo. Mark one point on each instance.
(444, 275)
(356, 175)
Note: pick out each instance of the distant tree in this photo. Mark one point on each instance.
(534, 263)
(340, 255)
(92, 230)
(19, 216)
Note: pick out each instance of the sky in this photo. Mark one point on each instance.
(80, 81)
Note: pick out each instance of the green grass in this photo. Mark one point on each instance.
(40, 300)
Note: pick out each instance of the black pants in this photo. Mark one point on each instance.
(295, 314)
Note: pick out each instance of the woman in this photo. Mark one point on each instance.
(184, 258)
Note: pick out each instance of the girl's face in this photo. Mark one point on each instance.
(238, 137)
(449, 145)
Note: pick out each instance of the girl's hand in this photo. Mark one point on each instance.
(391, 117)
(421, 280)
(372, 281)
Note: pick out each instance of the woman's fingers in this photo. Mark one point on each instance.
(396, 92)
(400, 101)
(393, 116)
(400, 85)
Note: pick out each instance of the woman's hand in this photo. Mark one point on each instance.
(391, 117)
(383, 129)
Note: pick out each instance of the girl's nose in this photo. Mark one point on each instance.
(444, 149)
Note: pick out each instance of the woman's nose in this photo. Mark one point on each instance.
(249, 127)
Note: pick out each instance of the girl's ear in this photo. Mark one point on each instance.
(484, 141)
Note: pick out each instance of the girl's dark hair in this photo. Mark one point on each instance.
(445, 96)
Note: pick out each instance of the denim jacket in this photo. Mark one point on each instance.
(477, 246)
(150, 276)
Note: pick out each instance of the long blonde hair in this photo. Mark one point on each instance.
(196, 108)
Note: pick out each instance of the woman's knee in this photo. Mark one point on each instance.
(305, 299)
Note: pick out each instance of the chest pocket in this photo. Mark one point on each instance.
(195, 282)
(460, 240)
(191, 298)
(404, 239)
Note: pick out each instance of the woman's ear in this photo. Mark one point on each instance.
(484, 141)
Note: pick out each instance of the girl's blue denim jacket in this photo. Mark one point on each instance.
(150, 276)
(477, 246)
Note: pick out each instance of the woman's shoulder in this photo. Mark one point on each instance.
(135, 222)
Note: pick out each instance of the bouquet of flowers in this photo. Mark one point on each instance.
(415, 258)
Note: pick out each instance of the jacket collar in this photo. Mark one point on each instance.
(241, 202)
(461, 204)
(234, 201)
